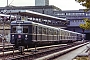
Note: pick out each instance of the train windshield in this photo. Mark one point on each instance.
(19, 29)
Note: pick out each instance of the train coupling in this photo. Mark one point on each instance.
(21, 49)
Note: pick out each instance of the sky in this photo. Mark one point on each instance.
(62, 4)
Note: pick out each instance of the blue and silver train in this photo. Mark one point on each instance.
(27, 33)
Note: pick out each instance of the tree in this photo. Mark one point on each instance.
(85, 26)
(85, 3)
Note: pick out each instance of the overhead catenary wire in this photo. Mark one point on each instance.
(10, 3)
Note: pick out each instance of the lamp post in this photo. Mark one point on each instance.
(7, 2)
(36, 38)
(3, 38)
(43, 10)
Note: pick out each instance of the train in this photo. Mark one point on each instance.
(28, 33)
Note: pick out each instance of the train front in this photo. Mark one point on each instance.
(19, 33)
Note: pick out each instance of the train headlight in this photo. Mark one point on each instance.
(12, 35)
(25, 35)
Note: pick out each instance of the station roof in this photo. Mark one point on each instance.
(29, 7)
(34, 14)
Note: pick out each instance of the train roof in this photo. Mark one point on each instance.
(70, 31)
(30, 22)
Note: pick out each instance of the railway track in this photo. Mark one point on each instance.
(6, 47)
(31, 54)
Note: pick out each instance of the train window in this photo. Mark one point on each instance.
(52, 32)
(48, 31)
(25, 29)
(44, 30)
(13, 29)
(34, 29)
(55, 32)
(62, 33)
(19, 29)
(39, 31)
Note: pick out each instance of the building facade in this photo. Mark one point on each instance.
(76, 18)
(41, 2)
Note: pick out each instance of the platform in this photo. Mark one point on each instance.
(72, 54)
